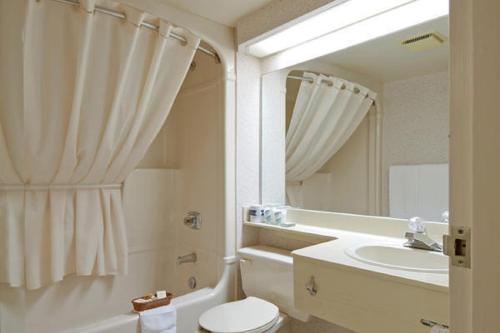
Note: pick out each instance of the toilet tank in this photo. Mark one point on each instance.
(267, 273)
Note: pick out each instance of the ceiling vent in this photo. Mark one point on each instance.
(423, 42)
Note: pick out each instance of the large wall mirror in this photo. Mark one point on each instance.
(363, 130)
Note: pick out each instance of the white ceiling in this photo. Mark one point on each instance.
(226, 12)
(386, 60)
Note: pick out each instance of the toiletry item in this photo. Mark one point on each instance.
(268, 215)
(151, 301)
(282, 213)
(256, 213)
(161, 294)
(283, 219)
(277, 216)
(274, 215)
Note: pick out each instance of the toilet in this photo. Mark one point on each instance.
(267, 280)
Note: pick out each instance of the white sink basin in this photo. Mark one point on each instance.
(400, 257)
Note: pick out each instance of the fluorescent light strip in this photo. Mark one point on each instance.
(403, 17)
(341, 15)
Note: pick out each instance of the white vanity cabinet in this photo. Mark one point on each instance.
(362, 300)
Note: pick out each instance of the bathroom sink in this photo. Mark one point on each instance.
(400, 257)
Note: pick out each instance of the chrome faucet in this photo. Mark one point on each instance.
(187, 258)
(418, 238)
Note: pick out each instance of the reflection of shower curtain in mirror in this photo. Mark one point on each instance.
(95, 91)
(323, 119)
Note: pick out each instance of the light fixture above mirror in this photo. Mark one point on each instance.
(345, 24)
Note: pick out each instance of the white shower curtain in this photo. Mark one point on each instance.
(96, 90)
(323, 119)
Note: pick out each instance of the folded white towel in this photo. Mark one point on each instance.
(159, 320)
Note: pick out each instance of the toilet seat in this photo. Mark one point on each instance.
(251, 315)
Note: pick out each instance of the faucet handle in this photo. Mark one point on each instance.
(416, 224)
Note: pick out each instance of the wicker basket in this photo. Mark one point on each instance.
(151, 304)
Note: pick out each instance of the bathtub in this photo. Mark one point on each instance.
(189, 307)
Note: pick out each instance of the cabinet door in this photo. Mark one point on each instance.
(364, 302)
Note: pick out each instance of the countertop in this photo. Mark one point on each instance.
(331, 251)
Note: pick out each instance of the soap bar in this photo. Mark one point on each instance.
(161, 293)
(142, 300)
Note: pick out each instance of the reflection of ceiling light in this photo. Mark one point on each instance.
(352, 22)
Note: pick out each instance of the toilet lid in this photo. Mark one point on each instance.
(251, 315)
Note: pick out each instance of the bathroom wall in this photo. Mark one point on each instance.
(182, 171)
(248, 190)
(416, 124)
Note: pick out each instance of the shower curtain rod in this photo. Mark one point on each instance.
(327, 81)
(147, 25)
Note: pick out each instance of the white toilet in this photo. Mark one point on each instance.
(267, 276)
